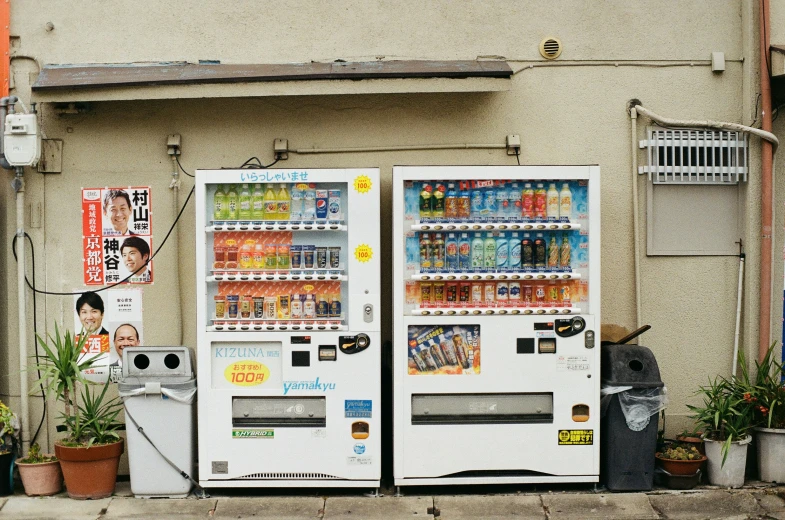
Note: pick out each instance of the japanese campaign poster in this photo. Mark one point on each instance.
(117, 235)
(113, 320)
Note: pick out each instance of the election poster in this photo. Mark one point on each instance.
(117, 235)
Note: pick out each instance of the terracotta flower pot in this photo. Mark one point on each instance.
(680, 467)
(90, 472)
(695, 440)
(41, 479)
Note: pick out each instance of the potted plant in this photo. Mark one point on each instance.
(680, 459)
(692, 438)
(768, 398)
(726, 419)
(9, 424)
(90, 453)
(41, 474)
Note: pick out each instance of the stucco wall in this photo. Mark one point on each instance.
(573, 114)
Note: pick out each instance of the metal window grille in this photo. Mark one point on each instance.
(695, 156)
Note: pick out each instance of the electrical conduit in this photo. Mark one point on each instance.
(766, 191)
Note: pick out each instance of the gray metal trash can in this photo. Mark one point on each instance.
(158, 389)
(632, 393)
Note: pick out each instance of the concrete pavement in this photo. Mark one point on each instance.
(753, 502)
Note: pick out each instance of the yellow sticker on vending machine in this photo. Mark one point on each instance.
(363, 253)
(362, 184)
(247, 373)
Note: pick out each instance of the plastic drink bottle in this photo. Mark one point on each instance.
(425, 200)
(565, 202)
(464, 203)
(437, 206)
(464, 253)
(257, 202)
(244, 213)
(489, 247)
(296, 208)
(478, 252)
(425, 251)
(515, 252)
(502, 253)
(540, 199)
(502, 203)
(219, 203)
(232, 202)
(437, 254)
(565, 253)
(270, 204)
(309, 203)
(451, 202)
(553, 253)
(552, 202)
(489, 207)
(284, 203)
(527, 252)
(540, 253)
(527, 201)
(476, 203)
(516, 211)
(451, 255)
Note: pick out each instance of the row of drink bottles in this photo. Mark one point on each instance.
(305, 203)
(507, 252)
(281, 307)
(495, 293)
(429, 357)
(276, 257)
(502, 201)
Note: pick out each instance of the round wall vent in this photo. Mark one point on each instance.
(550, 48)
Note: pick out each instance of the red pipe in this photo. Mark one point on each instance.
(5, 46)
(766, 187)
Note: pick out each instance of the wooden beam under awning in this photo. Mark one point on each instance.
(82, 82)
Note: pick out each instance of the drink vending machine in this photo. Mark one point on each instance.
(288, 343)
(496, 304)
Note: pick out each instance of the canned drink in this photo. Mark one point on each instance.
(527, 293)
(232, 305)
(502, 291)
(295, 257)
(452, 292)
(270, 307)
(515, 291)
(308, 256)
(246, 304)
(321, 204)
(335, 257)
(464, 292)
(296, 307)
(438, 292)
(321, 258)
(426, 293)
(258, 307)
(322, 308)
(335, 306)
(309, 307)
(283, 307)
(283, 256)
(565, 294)
(539, 294)
(477, 293)
(334, 204)
(553, 294)
(489, 292)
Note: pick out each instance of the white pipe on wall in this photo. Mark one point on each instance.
(635, 233)
(21, 302)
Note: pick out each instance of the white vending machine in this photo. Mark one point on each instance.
(288, 346)
(496, 305)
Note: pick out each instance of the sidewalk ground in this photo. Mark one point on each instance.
(755, 501)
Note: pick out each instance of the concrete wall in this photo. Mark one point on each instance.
(569, 113)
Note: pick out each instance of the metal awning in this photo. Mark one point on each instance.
(178, 80)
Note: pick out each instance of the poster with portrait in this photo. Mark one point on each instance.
(117, 235)
(113, 321)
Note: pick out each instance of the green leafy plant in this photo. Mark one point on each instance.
(768, 393)
(727, 414)
(679, 451)
(9, 422)
(34, 456)
(89, 419)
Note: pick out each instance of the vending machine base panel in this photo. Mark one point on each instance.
(539, 479)
(250, 483)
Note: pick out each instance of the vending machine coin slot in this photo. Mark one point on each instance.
(580, 413)
(546, 345)
(327, 353)
(353, 344)
(301, 358)
(525, 345)
(570, 327)
(361, 430)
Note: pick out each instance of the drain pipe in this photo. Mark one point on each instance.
(739, 295)
(18, 184)
(635, 233)
(766, 190)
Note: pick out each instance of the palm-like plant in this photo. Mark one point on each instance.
(768, 393)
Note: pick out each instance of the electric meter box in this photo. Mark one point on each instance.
(21, 140)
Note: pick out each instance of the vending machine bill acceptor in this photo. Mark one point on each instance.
(288, 341)
(496, 304)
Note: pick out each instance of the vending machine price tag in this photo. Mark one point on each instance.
(363, 253)
(362, 184)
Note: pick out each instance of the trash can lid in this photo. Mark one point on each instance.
(629, 365)
(158, 362)
(130, 384)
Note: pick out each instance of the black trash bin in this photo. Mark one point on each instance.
(627, 447)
